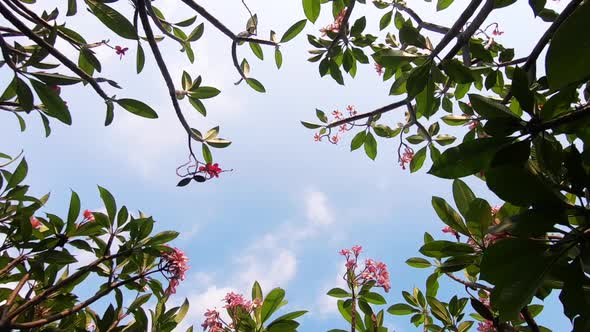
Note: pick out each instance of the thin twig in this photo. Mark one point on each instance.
(378, 111)
(544, 40)
(12, 264)
(456, 28)
(158, 23)
(79, 306)
(163, 69)
(472, 285)
(58, 55)
(421, 23)
(465, 36)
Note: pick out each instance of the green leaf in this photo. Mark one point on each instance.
(310, 125)
(138, 302)
(385, 20)
(521, 91)
(256, 291)
(256, 85)
(312, 8)
(109, 202)
(418, 262)
(401, 309)
(371, 146)
(462, 195)
(517, 268)
(24, 94)
(55, 106)
(72, 8)
(179, 316)
(566, 60)
(20, 173)
(56, 79)
(204, 92)
(271, 303)
(56, 257)
(467, 158)
(418, 79)
(278, 58)
(440, 249)
(219, 143)
(358, 140)
(338, 293)
(257, 50)
(374, 298)
(112, 19)
(197, 33)
(448, 215)
(479, 217)
(198, 105)
(74, 210)
(110, 112)
(140, 58)
(418, 160)
(293, 31)
(457, 71)
(138, 108)
(291, 315)
(491, 109)
(162, 238)
(208, 158)
(521, 186)
(443, 4)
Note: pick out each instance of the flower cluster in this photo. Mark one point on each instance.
(174, 262)
(334, 27)
(213, 322)
(233, 301)
(373, 270)
(406, 157)
(212, 170)
(487, 326)
(338, 115)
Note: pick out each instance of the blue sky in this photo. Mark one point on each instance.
(291, 203)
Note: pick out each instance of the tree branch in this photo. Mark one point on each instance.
(212, 19)
(58, 55)
(472, 285)
(46, 293)
(158, 24)
(529, 319)
(12, 264)
(456, 28)
(79, 306)
(574, 116)
(421, 23)
(544, 40)
(163, 69)
(342, 31)
(378, 111)
(465, 36)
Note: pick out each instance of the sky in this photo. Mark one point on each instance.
(290, 204)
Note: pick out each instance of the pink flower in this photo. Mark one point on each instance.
(175, 264)
(497, 31)
(356, 250)
(448, 229)
(35, 222)
(337, 114)
(120, 51)
(334, 27)
(234, 300)
(88, 215)
(257, 303)
(317, 137)
(350, 264)
(487, 326)
(212, 170)
(335, 139)
(406, 157)
(351, 110)
(212, 321)
(377, 271)
(473, 124)
(343, 128)
(379, 69)
(344, 252)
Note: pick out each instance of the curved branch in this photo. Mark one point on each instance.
(378, 111)
(421, 23)
(544, 40)
(163, 69)
(58, 55)
(212, 19)
(465, 36)
(456, 28)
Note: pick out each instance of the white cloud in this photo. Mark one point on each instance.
(326, 305)
(317, 209)
(270, 272)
